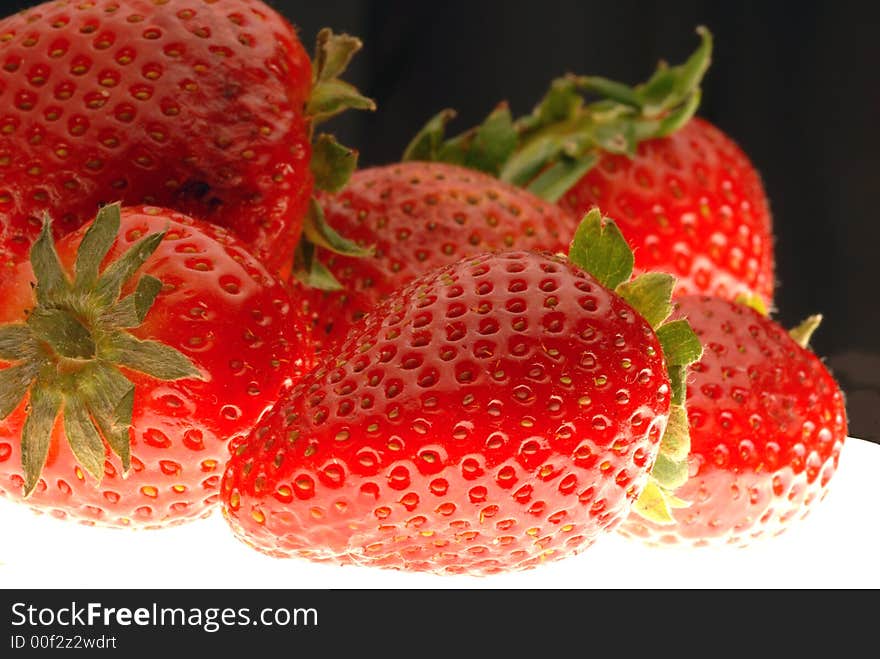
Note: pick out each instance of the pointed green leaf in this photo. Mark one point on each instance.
(51, 279)
(668, 473)
(131, 310)
(333, 54)
(83, 437)
(319, 233)
(561, 102)
(111, 402)
(150, 357)
(754, 301)
(650, 294)
(680, 344)
(493, 142)
(676, 442)
(95, 245)
(14, 384)
(652, 505)
(36, 435)
(804, 332)
(332, 163)
(17, 342)
(332, 97)
(677, 383)
(600, 249)
(531, 158)
(311, 272)
(669, 87)
(610, 89)
(110, 283)
(425, 146)
(64, 332)
(560, 177)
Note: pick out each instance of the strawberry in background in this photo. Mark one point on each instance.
(208, 108)
(767, 424)
(415, 217)
(498, 412)
(687, 198)
(132, 351)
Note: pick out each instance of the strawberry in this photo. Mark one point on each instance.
(498, 412)
(687, 198)
(417, 217)
(150, 341)
(204, 107)
(767, 424)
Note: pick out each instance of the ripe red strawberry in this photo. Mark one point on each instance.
(158, 377)
(767, 425)
(496, 413)
(417, 217)
(204, 107)
(686, 197)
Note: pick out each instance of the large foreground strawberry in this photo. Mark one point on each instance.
(149, 341)
(767, 423)
(496, 413)
(417, 217)
(687, 198)
(205, 107)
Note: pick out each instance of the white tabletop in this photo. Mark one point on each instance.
(837, 546)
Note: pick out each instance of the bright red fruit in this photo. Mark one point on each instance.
(496, 413)
(691, 204)
(200, 107)
(419, 216)
(767, 426)
(163, 374)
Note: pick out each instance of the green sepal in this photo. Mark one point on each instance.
(111, 403)
(14, 384)
(650, 294)
(330, 95)
(132, 310)
(600, 249)
(310, 271)
(653, 505)
(680, 344)
(318, 232)
(95, 245)
(51, 280)
(17, 342)
(65, 333)
(753, 301)
(486, 147)
(676, 441)
(669, 474)
(83, 437)
(558, 178)
(152, 358)
(562, 102)
(426, 144)
(109, 284)
(332, 163)
(678, 383)
(45, 403)
(804, 332)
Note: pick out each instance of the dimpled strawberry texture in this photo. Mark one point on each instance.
(767, 426)
(691, 204)
(196, 105)
(221, 309)
(419, 216)
(498, 413)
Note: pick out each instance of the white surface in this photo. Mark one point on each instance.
(837, 546)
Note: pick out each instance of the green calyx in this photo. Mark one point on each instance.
(600, 249)
(332, 163)
(67, 355)
(549, 150)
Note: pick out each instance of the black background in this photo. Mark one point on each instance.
(797, 85)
